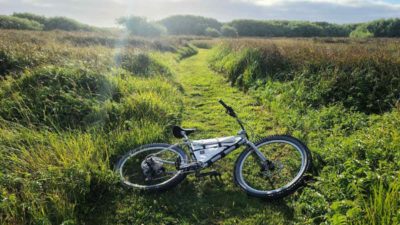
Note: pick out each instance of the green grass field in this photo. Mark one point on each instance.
(72, 103)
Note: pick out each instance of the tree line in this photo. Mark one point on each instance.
(198, 25)
(203, 26)
(30, 21)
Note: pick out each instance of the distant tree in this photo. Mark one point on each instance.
(189, 25)
(282, 28)
(335, 30)
(384, 28)
(304, 29)
(11, 22)
(228, 31)
(31, 16)
(257, 28)
(361, 32)
(212, 32)
(141, 27)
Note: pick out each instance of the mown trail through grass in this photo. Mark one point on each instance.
(202, 90)
(204, 201)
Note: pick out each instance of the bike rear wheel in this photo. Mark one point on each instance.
(152, 167)
(281, 175)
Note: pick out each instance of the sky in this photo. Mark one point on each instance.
(105, 12)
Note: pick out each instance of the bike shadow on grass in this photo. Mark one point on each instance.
(206, 202)
(194, 201)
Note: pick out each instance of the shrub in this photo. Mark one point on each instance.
(141, 27)
(11, 22)
(228, 31)
(55, 23)
(33, 17)
(63, 23)
(212, 32)
(361, 32)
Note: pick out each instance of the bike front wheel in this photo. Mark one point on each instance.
(152, 167)
(287, 162)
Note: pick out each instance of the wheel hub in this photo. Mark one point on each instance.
(151, 167)
(270, 168)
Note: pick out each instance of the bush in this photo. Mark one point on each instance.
(33, 17)
(11, 22)
(63, 23)
(212, 32)
(228, 31)
(361, 32)
(55, 23)
(141, 27)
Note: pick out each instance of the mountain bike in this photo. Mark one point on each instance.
(272, 167)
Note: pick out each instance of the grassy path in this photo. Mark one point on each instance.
(221, 202)
(205, 201)
(202, 89)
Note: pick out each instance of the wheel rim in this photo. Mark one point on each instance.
(289, 161)
(131, 172)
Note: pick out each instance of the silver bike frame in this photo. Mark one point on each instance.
(243, 140)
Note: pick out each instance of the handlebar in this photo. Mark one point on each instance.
(229, 109)
(232, 113)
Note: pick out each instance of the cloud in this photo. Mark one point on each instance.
(105, 12)
(334, 2)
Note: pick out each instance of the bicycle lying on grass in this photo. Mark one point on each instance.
(271, 168)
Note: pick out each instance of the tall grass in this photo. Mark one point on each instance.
(382, 206)
(363, 76)
(21, 50)
(67, 111)
(339, 97)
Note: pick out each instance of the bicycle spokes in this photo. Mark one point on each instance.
(283, 165)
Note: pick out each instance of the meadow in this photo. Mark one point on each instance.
(72, 102)
(341, 96)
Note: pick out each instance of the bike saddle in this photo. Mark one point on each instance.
(179, 131)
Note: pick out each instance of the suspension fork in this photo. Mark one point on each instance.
(258, 152)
